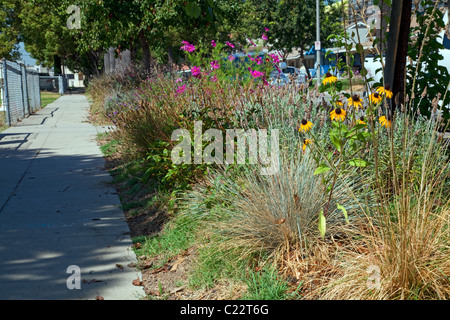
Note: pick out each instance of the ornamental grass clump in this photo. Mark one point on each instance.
(271, 215)
(407, 243)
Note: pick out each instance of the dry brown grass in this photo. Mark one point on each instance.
(406, 242)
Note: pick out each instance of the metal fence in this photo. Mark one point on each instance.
(20, 94)
(53, 83)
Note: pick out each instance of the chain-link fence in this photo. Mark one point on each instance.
(20, 95)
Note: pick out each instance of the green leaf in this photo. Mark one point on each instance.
(364, 72)
(344, 211)
(193, 10)
(359, 48)
(357, 162)
(322, 224)
(321, 169)
(336, 142)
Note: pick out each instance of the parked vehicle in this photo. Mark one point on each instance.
(278, 78)
(299, 77)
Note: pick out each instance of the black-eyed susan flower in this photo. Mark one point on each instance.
(386, 90)
(305, 143)
(329, 78)
(305, 126)
(339, 103)
(385, 121)
(375, 98)
(338, 114)
(355, 101)
(361, 121)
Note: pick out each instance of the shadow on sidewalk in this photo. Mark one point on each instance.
(61, 211)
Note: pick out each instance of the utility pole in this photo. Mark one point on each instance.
(318, 52)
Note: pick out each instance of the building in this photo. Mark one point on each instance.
(74, 79)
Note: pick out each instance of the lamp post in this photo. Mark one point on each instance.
(318, 41)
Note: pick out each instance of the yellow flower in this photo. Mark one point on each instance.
(355, 101)
(375, 98)
(305, 143)
(360, 121)
(338, 114)
(305, 126)
(385, 121)
(339, 103)
(329, 78)
(385, 91)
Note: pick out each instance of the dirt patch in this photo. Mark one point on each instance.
(171, 281)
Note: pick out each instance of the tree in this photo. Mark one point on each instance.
(427, 79)
(154, 27)
(9, 29)
(292, 24)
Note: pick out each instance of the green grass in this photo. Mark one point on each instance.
(48, 97)
(178, 235)
(214, 264)
(110, 148)
(266, 285)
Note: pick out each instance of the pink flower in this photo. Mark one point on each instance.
(178, 80)
(196, 72)
(181, 89)
(256, 73)
(275, 57)
(258, 60)
(266, 29)
(229, 44)
(213, 43)
(187, 46)
(214, 64)
(264, 37)
(214, 78)
(231, 57)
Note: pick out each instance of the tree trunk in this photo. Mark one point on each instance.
(393, 44)
(170, 55)
(398, 84)
(145, 51)
(57, 64)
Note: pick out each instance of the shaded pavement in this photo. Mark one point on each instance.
(57, 210)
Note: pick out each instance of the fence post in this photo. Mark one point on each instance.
(22, 68)
(38, 90)
(61, 85)
(5, 86)
(26, 91)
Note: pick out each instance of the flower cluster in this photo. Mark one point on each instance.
(214, 64)
(187, 46)
(196, 72)
(355, 101)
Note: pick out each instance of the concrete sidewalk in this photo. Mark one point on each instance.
(57, 210)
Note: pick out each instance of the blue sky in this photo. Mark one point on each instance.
(25, 56)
